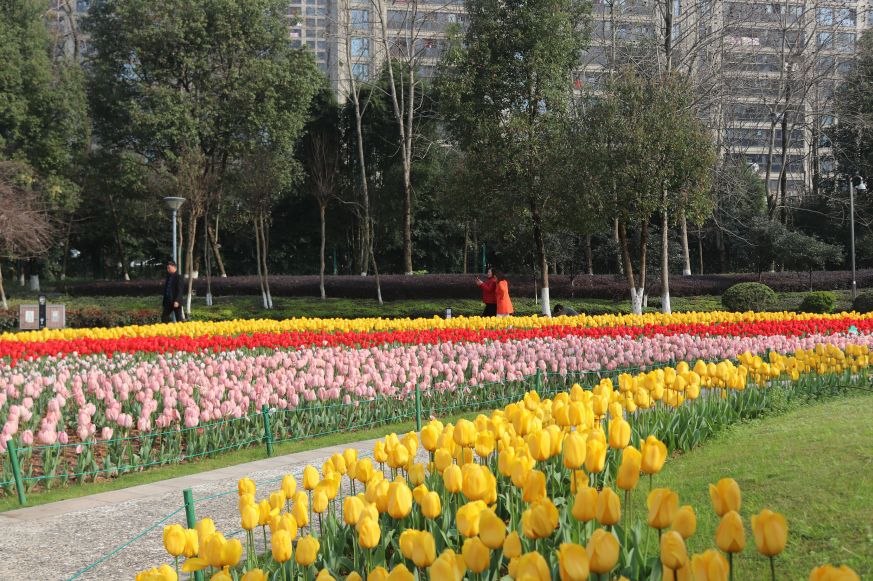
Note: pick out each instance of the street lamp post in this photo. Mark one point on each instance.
(174, 203)
(862, 187)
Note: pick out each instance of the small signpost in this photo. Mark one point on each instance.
(41, 316)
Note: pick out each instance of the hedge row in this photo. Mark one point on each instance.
(90, 317)
(437, 286)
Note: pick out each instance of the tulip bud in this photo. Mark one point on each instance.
(685, 522)
(289, 485)
(725, 496)
(280, 543)
(662, 504)
(531, 567)
(399, 499)
(319, 500)
(654, 454)
(307, 550)
(629, 470)
(595, 455)
(673, 552)
(474, 481)
(448, 567)
(453, 478)
(608, 507)
(730, 536)
(585, 504)
(467, 518)
(476, 555)
(369, 532)
(492, 529)
(364, 470)
(574, 450)
(431, 506)
(619, 433)
(174, 540)
(246, 486)
(310, 478)
(249, 516)
(602, 551)
(710, 566)
(423, 549)
(254, 575)
(573, 562)
(831, 573)
(534, 486)
(353, 507)
(771, 532)
(429, 437)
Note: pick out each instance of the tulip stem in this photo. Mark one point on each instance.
(772, 569)
(731, 565)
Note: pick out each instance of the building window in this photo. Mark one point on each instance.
(825, 40)
(845, 16)
(83, 5)
(844, 42)
(361, 71)
(310, 44)
(310, 23)
(360, 47)
(360, 19)
(824, 16)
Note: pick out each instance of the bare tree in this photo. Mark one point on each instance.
(25, 227)
(322, 154)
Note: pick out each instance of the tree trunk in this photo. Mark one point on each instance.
(665, 262)
(618, 253)
(119, 242)
(635, 293)
(367, 234)
(259, 262)
(216, 250)
(376, 273)
(207, 263)
(589, 255)
(321, 206)
(189, 260)
(686, 253)
(783, 174)
(540, 240)
(264, 254)
(3, 302)
(466, 244)
(66, 248)
(700, 249)
(771, 197)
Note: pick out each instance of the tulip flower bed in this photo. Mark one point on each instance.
(86, 404)
(540, 489)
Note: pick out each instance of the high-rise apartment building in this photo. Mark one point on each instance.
(765, 73)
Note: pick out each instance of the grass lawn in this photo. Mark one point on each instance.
(814, 465)
(247, 307)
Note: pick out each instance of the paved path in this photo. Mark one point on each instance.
(55, 541)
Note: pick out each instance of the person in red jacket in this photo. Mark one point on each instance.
(488, 287)
(504, 303)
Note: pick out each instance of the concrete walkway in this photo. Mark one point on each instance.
(55, 541)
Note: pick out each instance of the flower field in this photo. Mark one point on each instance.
(89, 403)
(539, 489)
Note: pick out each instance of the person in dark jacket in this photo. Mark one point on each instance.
(561, 310)
(172, 295)
(488, 286)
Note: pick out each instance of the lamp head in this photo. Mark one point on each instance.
(173, 202)
(861, 187)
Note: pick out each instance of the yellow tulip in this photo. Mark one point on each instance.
(602, 551)
(319, 500)
(540, 520)
(673, 553)
(730, 536)
(310, 478)
(289, 486)
(280, 542)
(532, 567)
(447, 567)
(485, 443)
(205, 527)
(192, 543)
(534, 488)
(474, 481)
(540, 445)
(378, 574)
(254, 575)
(249, 516)
(162, 573)
(685, 522)
(277, 500)
(629, 470)
(574, 450)
(231, 553)
(324, 575)
(725, 496)
(369, 532)
(353, 507)
(265, 512)
(364, 470)
(476, 555)
(429, 437)
(354, 576)
(245, 486)
(681, 574)
(512, 545)
(300, 509)
(416, 474)
(307, 550)
(662, 504)
(398, 456)
(468, 516)
(585, 504)
(174, 540)
(595, 455)
(654, 454)
(431, 506)
(770, 531)
(465, 433)
(572, 562)
(399, 499)
(423, 549)
(453, 478)
(709, 566)
(831, 573)
(492, 529)
(608, 507)
(619, 433)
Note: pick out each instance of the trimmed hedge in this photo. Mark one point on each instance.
(863, 302)
(748, 296)
(438, 286)
(90, 317)
(818, 302)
